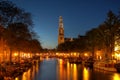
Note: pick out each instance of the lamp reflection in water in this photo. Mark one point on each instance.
(62, 71)
(85, 74)
(29, 74)
(67, 71)
(26, 76)
(116, 77)
(74, 72)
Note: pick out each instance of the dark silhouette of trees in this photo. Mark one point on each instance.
(18, 25)
(65, 47)
(103, 37)
(108, 31)
(92, 40)
(35, 46)
(10, 13)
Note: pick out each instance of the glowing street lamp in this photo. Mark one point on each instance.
(85, 54)
(15, 54)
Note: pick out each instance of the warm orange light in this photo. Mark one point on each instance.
(61, 61)
(24, 77)
(74, 72)
(47, 57)
(15, 54)
(56, 53)
(100, 57)
(86, 54)
(85, 74)
(37, 54)
(68, 71)
(112, 55)
(16, 78)
(74, 54)
(61, 70)
(116, 77)
(117, 56)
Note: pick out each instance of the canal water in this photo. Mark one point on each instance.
(57, 69)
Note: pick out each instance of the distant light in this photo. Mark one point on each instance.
(86, 54)
(15, 54)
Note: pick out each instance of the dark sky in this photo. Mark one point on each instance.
(79, 16)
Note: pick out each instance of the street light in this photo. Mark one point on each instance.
(85, 54)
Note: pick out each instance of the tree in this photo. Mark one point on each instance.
(107, 32)
(111, 25)
(1, 31)
(18, 24)
(79, 44)
(93, 40)
(10, 13)
(35, 46)
(118, 27)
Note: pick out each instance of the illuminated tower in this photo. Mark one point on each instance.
(60, 31)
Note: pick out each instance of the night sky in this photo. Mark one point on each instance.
(79, 16)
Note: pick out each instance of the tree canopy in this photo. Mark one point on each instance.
(16, 28)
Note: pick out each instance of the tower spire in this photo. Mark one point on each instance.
(60, 31)
(60, 21)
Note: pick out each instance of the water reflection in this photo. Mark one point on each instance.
(58, 69)
(116, 76)
(85, 74)
(30, 74)
(67, 71)
(75, 72)
(61, 70)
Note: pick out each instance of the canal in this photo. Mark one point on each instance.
(57, 69)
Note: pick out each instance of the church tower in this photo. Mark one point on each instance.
(60, 31)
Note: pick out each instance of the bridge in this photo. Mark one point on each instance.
(59, 55)
(72, 57)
